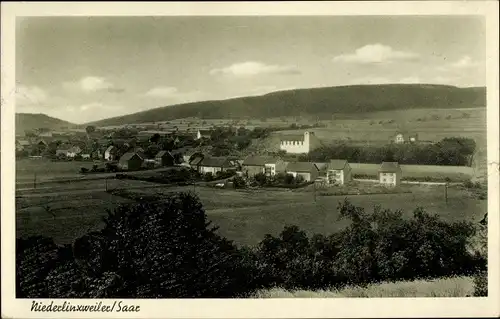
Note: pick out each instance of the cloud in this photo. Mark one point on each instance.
(376, 53)
(30, 95)
(253, 68)
(90, 84)
(164, 92)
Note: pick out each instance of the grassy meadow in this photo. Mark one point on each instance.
(444, 287)
(244, 216)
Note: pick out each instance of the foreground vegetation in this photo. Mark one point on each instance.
(443, 287)
(169, 249)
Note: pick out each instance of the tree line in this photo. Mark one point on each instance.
(453, 151)
(169, 249)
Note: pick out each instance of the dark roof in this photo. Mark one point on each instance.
(205, 132)
(389, 167)
(214, 162)
(196, 161)
(337, 164)
(322, 166)
(259, 160)
(23, 142)
(292, 137)
(160, 154)
(301, 167)
(127, 156)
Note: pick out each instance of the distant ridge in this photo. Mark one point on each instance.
(316, 101)
(32, 121)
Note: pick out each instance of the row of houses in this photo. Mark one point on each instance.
(334, 172)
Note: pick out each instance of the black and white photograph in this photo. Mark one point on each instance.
(249, 156)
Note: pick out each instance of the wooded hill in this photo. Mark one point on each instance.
(31, 121)
(316, 102)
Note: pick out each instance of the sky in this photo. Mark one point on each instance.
(82, 69)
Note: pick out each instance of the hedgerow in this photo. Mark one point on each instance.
(168, 248)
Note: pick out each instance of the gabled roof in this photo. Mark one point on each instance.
(196, 161)
(337, 164)
(292, 137)
(259, 160)
(215, 162)
(301, 167)
(23, 142)
(160, 154)
(205, 132)
(127, 156)
(322, 166)
(110, 148)
(389, 167)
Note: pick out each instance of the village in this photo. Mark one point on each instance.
(213, 153)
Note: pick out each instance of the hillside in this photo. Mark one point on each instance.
(30, 121)
(317, 102)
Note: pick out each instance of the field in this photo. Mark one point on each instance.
(455, 173)
(244, 216)
(48, 170)
(445, 287)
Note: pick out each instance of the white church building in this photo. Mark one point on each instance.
(299, 143)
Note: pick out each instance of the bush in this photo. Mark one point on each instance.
(83, 170)
(208, 177)
(239, 182)
(481, 284)
(146, 250)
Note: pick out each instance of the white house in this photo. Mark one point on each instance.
(110, 153)
(338, 172)
(299, 144)
(390, 174)
(203, 134)
(405, 137)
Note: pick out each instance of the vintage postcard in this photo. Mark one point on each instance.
(250, 160)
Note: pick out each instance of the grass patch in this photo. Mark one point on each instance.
(445, 287)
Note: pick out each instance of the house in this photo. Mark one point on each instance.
(195, 162)
(203, 134)
(110, 153)
(338, 172)
(390, 174)
(22, 144)
(299, 144)
(86, 156)
(73, 151)
(130, 162)
(214, 164)
(307, 170)
(62, 152)
(97, 154)
(164, 158)
(405, 137)
(269, 165)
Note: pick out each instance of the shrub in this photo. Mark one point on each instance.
(239, 182)
(146, 250)
(83, 170)
(208, 177)
(481, 284)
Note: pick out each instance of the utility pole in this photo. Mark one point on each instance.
(446, 192)
(314, 190)
(106, 183)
